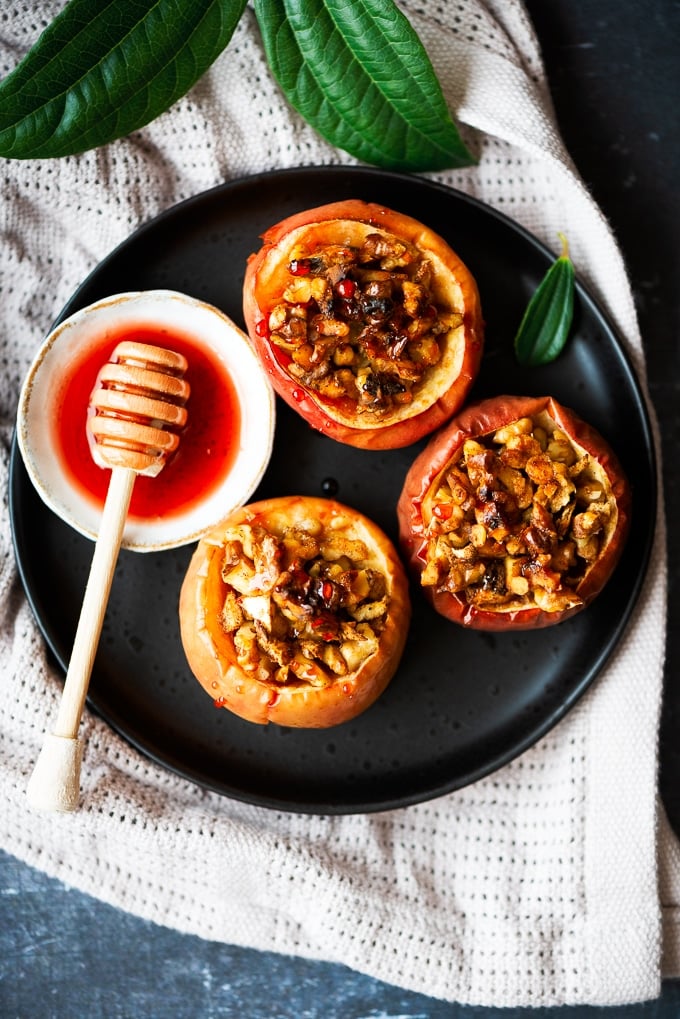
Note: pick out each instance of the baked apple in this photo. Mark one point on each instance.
(368, 323)
(515, 515)
(295, 610)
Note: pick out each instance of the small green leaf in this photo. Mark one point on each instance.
(358, 73)
(102, 70)
(547, 320)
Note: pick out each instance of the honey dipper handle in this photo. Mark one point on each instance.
(55, 782)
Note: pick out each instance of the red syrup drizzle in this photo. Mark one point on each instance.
(208, 445)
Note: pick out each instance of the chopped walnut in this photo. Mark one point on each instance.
(518, 519)
(361, 323)
(305, 597)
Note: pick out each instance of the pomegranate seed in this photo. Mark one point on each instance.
(442, 510)
(262, 329)
(300, 267)
(346, 288)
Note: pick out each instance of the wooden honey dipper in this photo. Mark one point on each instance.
(135, 413)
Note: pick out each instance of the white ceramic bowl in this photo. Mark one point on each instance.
(218, 338)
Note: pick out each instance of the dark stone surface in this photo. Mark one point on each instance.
(64, 955)
(614, 72)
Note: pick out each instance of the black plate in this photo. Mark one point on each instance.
(462, 703)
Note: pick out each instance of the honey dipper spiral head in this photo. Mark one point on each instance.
(136, 409)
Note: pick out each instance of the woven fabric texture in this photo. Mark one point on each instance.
(556, 879)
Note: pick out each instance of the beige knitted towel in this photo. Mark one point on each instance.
(536, 885)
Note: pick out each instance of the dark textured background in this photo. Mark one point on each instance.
(615, 76)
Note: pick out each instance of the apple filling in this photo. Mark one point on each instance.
(305, 606)
(518, 519)
(361, 322)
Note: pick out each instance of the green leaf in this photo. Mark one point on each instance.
(544, 329)
(358, 73)
(102, 70)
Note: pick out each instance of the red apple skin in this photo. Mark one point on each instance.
(264, 281)
(480, 419)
